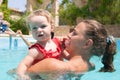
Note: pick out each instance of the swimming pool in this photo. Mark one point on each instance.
(12, 51)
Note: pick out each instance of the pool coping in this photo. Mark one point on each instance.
(7, 35)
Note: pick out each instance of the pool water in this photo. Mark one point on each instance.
(13, 50)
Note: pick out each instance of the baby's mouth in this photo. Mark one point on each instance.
(40, 35)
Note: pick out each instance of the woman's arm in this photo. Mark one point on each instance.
(49, 65)
(25, 40)
(76, 64)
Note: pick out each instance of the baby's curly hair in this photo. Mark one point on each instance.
(41, 12)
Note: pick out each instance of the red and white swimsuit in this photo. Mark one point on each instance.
(48, 54)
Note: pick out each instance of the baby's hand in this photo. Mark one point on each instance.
(23, 77)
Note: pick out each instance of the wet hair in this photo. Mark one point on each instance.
(108, 56)
(101, 44)
(41, 12)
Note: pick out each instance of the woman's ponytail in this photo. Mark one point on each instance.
(108, 55)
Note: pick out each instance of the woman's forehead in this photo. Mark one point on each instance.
(80, 27)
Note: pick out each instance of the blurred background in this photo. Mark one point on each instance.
(66, 13)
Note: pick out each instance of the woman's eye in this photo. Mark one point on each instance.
(74, 32)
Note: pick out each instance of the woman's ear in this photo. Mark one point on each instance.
(88, 43)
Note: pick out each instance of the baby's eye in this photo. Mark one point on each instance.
(34, 28)
(43, 26)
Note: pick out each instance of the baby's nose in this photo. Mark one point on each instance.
(39, 29)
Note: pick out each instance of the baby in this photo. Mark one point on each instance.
(41, 25)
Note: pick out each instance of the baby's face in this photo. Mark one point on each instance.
(41, 28)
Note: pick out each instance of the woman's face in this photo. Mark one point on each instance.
(76, 39)
(41, 28)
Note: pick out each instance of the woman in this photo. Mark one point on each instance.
(88, 38)
(4, 25)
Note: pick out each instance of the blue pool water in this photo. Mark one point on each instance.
(13, 50)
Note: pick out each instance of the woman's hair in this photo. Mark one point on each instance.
(102, 43)
(108, 55)
(40, 12)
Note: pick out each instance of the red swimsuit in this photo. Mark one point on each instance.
(48, 54)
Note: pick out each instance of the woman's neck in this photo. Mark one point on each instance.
(83, 54)
(78, 64)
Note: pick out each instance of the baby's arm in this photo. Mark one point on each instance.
(26, 63)
(65, 53)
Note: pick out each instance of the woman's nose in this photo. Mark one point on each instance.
(69, 35)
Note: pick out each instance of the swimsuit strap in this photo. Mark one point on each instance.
(39, 48)
(50, 52)
(58, 43)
